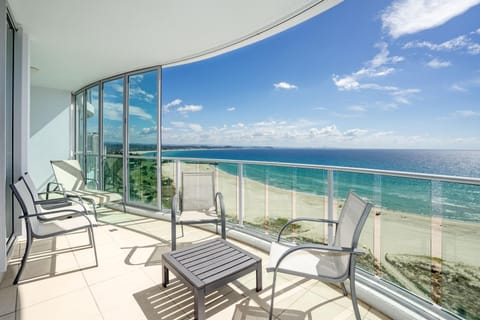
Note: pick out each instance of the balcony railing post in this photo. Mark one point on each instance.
(240, 194)
(330, 206)
(177, 175)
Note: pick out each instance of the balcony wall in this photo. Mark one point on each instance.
(50, 131)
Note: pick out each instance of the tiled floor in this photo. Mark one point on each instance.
(61, 281)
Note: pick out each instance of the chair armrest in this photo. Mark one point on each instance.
(219, 201)
(52, 212)
(56, 203)
(325, 249)
(97, 185)
(58, 188)
(51, 201)
(303, 219)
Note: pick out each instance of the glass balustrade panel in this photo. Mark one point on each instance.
(455, 242)
(113, 174)
(143, 181)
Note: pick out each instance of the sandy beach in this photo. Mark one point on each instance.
(386, 231)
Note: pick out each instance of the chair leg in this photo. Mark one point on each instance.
(92, 203)
(353, 294)
(25, 255)
(92, 243)
(182, 230)
(270, 316)
(345, 293)
(174, 236)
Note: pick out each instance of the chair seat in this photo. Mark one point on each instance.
(69, 206)
(60, 226)
(98, 197)
(311, 263)
(194, 215)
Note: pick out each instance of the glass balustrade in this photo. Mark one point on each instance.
(422, 235)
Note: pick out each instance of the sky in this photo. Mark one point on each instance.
(364, 74)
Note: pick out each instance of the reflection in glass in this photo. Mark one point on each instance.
(92, 172)
(113, 117)
(113, 174)
(168, 183)
(91, 112)
(79, 122)
(142, 113)
(143, 181)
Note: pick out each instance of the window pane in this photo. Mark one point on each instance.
(113, 117)
(91, 113)
(92, 172)
(79, 121)
(143, 181)
(142, 113)
(113, 174)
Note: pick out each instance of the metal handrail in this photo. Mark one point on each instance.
(402, 174)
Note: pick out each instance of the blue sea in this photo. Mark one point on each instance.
(450, 200)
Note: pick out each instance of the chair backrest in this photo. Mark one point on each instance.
(198, 191)
(351, 221)
(24, 198)
(31, 186)
(69, 174)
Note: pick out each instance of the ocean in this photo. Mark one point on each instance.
(425, 197)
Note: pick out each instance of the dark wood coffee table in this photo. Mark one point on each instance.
(209, 265)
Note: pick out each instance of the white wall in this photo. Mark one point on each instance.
(49, 132)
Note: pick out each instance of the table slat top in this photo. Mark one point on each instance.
(210, 261)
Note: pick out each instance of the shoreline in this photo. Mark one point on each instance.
(399, 232)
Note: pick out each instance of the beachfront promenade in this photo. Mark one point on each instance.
(425, 251)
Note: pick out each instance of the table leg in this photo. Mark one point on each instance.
(259, 276)
(199, 304)
(165, 280)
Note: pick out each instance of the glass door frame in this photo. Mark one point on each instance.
(126, 157)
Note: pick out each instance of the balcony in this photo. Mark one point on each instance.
(418, 253)
(59, 283)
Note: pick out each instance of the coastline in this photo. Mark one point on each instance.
(397, 232)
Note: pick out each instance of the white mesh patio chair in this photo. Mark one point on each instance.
(37, 229)
(71, 181)
(44, 204)
(333, 264)
(197, 203)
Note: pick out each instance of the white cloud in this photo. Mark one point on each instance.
(284, 85)
(325, 131)
(461, 43)
(231, 109)
(149, 131)
(374, 68)
(178, 124)
(139, 112)
(458, 88)
(357, 108)
(436, 63)
(190, 108)
(195, 127)
(355, 133)
(466, 113)
(410, 16)
(140, 94)
(113, 111)
(173, 103)
(305, 133)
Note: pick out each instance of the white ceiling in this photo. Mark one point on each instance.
(76, 42)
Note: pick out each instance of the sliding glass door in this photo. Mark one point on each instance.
(117, 135)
